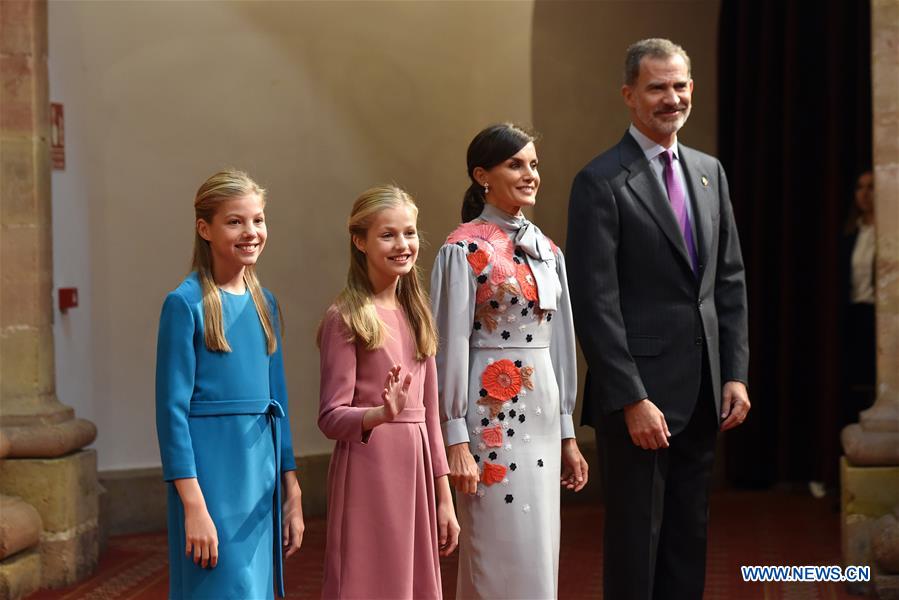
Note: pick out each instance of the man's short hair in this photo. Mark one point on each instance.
(653, 48)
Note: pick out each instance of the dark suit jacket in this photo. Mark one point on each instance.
(641, 314)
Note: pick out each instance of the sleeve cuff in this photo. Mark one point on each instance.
(288, 463)
(455, 431)
(567, 423)
(179, 472)
(736, 378)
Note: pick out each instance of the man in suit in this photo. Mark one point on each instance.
(659, 298)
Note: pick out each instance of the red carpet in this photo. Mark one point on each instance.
(747, 528)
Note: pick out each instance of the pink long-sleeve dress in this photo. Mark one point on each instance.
(382, 539)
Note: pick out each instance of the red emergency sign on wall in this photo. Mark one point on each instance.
(57, 137)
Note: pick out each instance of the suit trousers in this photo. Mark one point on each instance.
(657, 506)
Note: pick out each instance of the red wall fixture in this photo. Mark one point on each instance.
(68, 298)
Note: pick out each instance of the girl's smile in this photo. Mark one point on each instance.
(236, 234)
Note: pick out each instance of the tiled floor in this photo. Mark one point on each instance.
(769, 528)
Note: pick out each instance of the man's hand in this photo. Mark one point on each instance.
(734, 404)
(646, 424)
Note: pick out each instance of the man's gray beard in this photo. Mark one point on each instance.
(668, 128)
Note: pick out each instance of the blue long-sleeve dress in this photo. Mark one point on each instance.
(222, 417)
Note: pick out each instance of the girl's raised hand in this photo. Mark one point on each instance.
(395, 394)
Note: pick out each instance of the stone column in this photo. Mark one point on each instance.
(870, 470)
(41, 460)
(875, 439)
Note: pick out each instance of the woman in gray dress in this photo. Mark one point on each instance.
(507, 376)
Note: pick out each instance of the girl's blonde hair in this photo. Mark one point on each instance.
(355, 303)
(221, 187)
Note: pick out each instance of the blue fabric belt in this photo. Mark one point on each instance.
(274, 411)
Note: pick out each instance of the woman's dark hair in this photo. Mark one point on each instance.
(854, 213)
(489, 148)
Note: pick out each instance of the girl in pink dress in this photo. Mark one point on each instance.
(390, 512)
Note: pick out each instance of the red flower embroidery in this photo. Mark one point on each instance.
(526, 281)
(493, 473)
(478, 260)
(502, 380)
(493, 436)
(493, 241)
(485, 293)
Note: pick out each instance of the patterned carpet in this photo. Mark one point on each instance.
(772, 528)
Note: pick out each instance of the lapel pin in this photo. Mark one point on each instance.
(705, 181)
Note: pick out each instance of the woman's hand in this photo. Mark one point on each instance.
(464, 472)
(292, 525)
(447, 525)
(201, 538)
(395, 395)
(574, 467)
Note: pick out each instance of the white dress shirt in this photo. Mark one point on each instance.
(863, 265)
(653, 153)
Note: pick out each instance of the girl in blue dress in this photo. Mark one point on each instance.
(221, 409)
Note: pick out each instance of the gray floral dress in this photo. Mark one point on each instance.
(507, 377)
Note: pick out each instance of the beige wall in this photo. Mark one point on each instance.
(578, 60)
(318, 100)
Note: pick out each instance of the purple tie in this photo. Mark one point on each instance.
(679, 205)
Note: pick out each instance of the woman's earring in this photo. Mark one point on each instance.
(486, 188)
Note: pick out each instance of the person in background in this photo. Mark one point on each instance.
(857, 300)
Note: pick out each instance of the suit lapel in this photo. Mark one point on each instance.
(704, 201)
(649, 192)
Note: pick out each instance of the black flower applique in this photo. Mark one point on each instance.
(514, 399)
(518, 363)
(529, 338)
(477, 458)
(531, 304)
(505, 335)
(510, 432)
(524, 312)
(519, 252)
(501, 416)
(509, 498)
(485, 421)
(494, 304)
(513, 300)
(482, 279)
(549, 317)
(512, 413)
(492, 456)
(460, 244)
(472, 247)
(539, 462)
(477, 325)
(482, 393)
(513, 466)
(521, 418)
